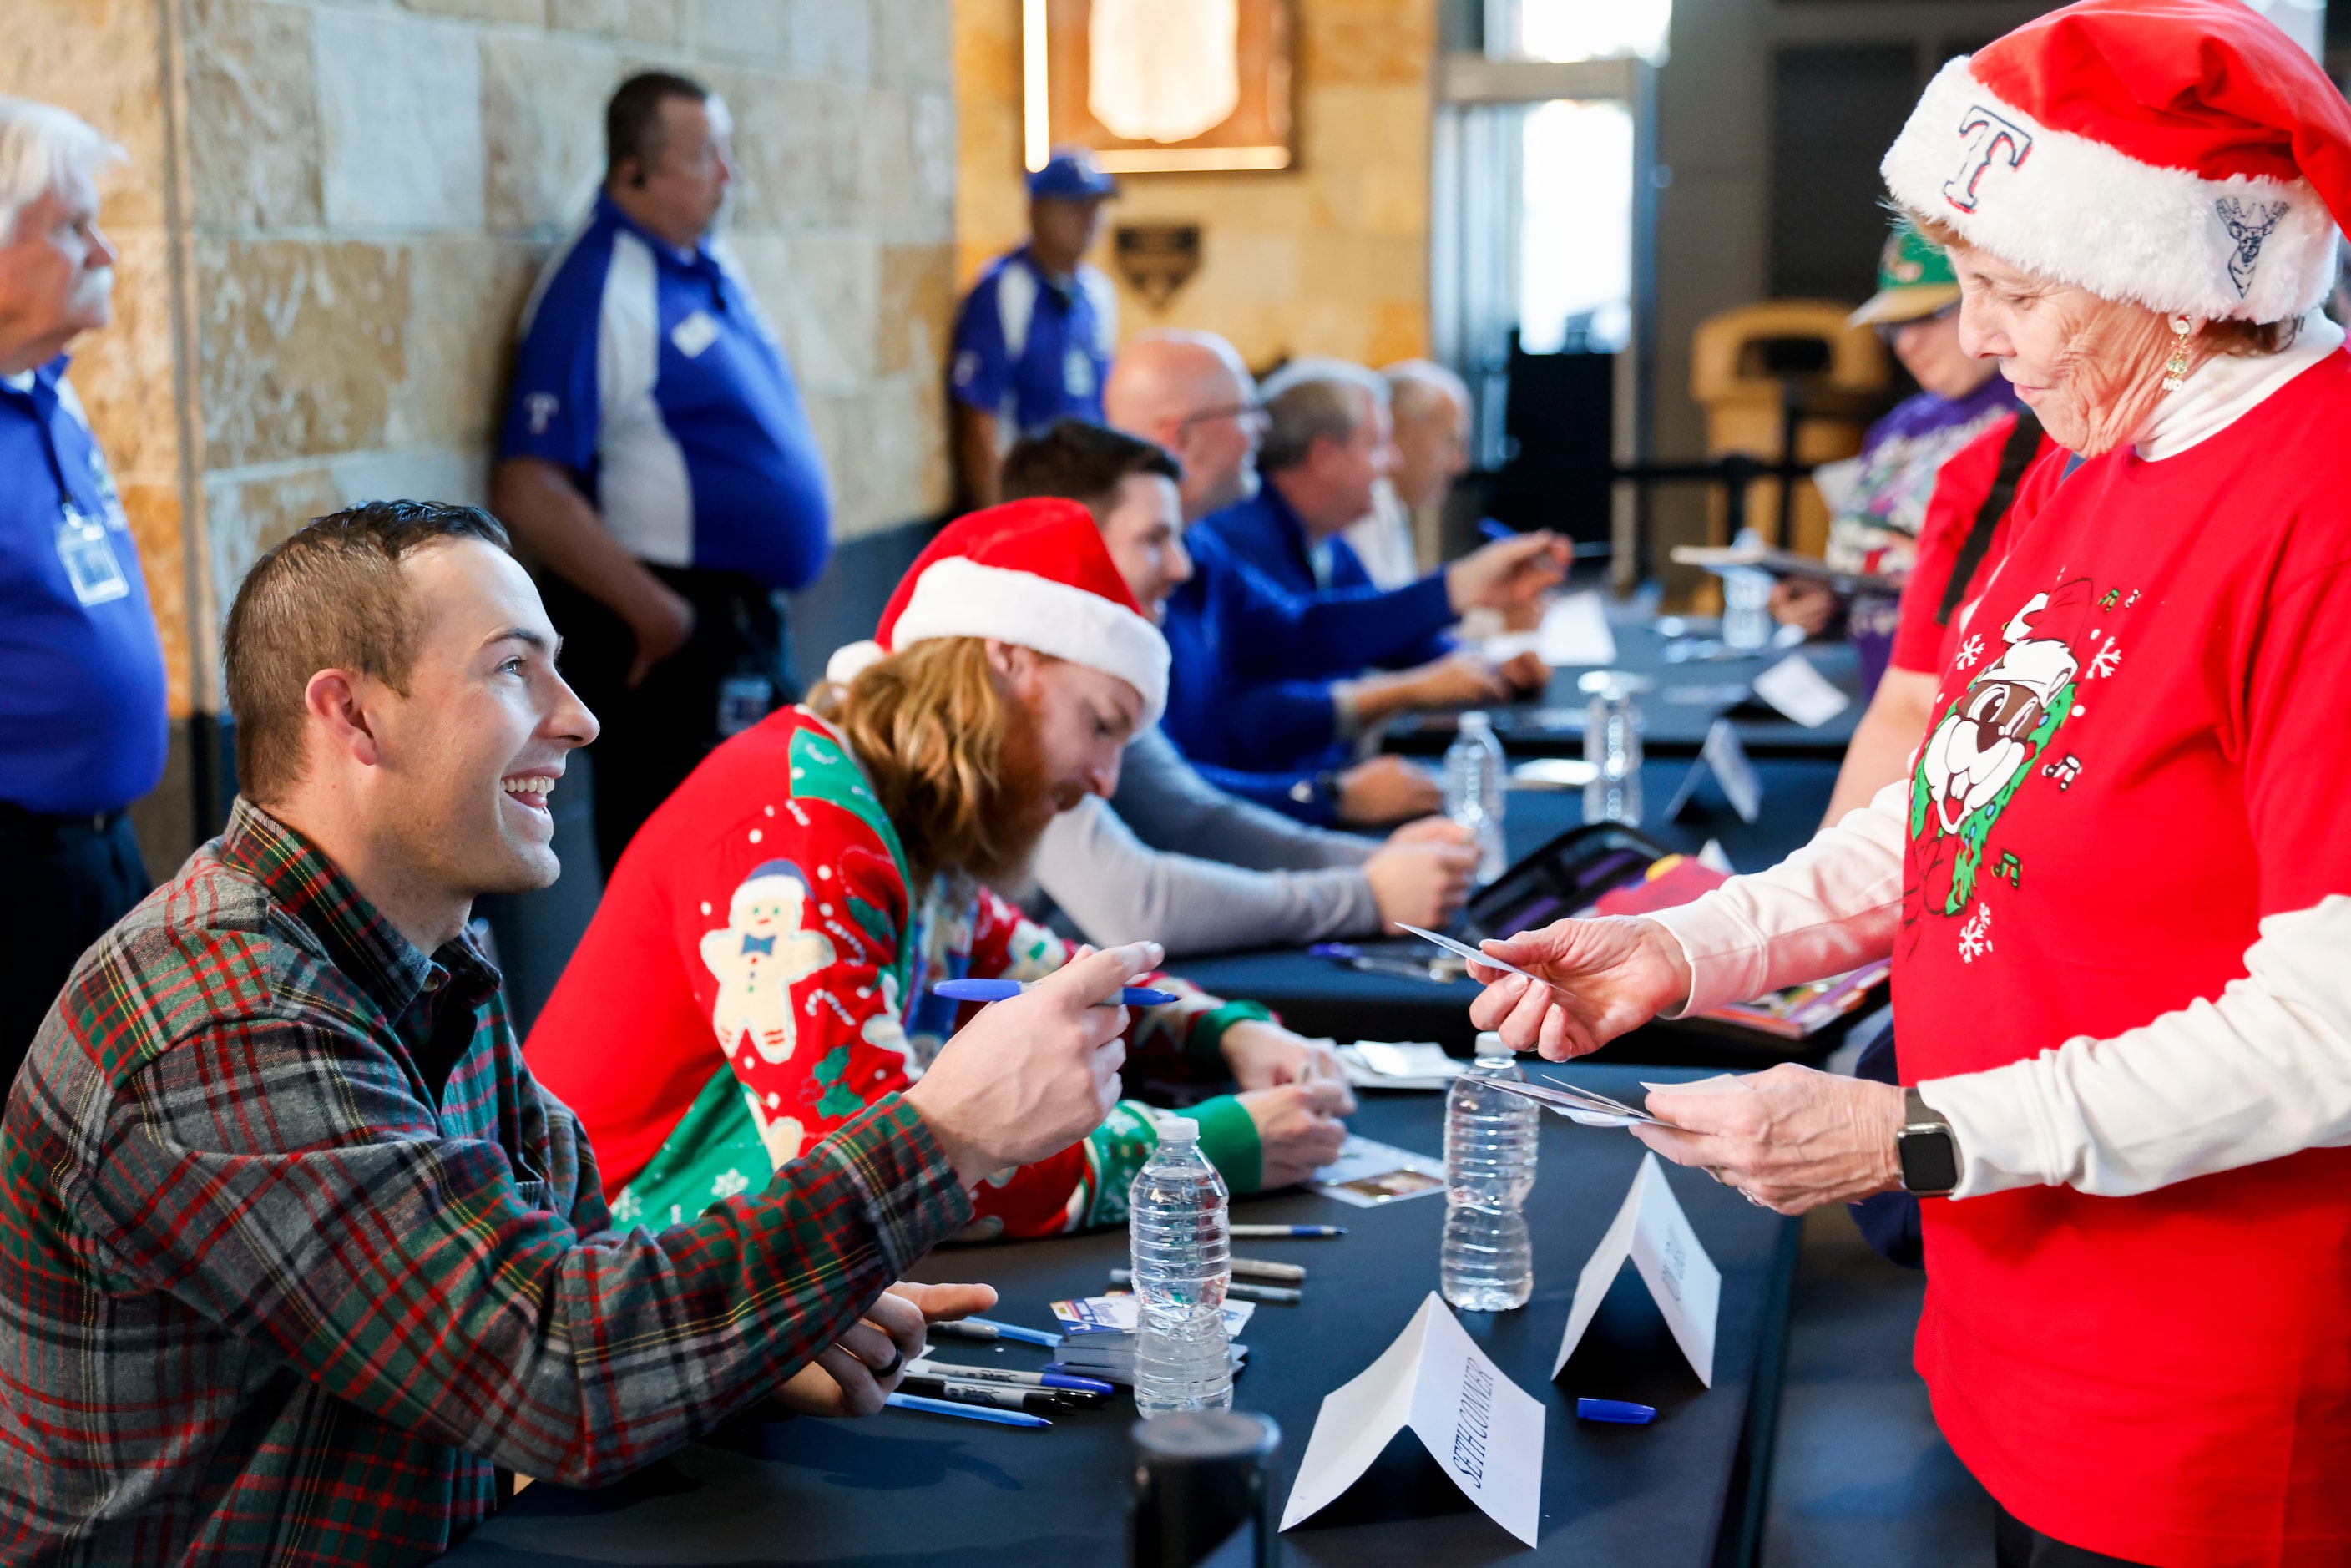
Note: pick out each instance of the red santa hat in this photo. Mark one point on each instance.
(2185, 154)
(1035, 573)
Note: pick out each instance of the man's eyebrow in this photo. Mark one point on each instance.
(525, 635)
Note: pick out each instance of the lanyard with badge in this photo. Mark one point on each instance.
(89, 557)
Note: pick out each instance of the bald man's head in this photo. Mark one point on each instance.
(1189, 392)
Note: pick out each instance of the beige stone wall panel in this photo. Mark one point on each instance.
(796, 144)
(907, 49)
(302, 343)
(521, 13)
(466, 295)
(756, 32)
(458, 475)
(400, 128)
(832, 40)
(543, 127)
(823, 293)
(1354, 42)
(917, 309)
(100, 60)
(153, 510)
(668, 23)
(247, 514)
(253, 121)
(885, 449)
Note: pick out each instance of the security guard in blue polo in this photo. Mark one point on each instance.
(1034, 338)
(81, 669)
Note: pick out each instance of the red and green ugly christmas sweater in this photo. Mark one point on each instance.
(759, 972)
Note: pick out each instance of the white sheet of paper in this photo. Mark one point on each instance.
(1574, 633)
(1407, 1058)
(1389, 1175)
(1799, 690)
(1652, 1230)
(1482, 1429)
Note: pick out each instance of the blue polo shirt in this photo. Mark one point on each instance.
(81, 669)
(652, 375)
(1030, 351)
(1264, 533)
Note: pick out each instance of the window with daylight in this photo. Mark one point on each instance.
(1591, 29)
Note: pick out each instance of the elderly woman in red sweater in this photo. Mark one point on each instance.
(2114, 885)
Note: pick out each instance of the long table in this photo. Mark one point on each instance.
(1320, 997)
(1684, 700)
(907, 1490)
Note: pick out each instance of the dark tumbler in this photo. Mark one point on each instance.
(1204, 1492)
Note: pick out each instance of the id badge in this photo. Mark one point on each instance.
(88, 559)
(743, 701)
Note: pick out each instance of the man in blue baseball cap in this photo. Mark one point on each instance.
(1034, 338)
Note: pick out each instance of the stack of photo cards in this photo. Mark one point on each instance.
(1585, 1107)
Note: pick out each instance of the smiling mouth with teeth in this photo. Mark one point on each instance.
(529, 793)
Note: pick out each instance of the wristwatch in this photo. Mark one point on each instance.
(1927, 1149)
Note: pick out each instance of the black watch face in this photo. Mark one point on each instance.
(1929, 1161)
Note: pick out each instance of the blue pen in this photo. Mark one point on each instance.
(967, 1412)
(1496, 531)
(1004, 990)
(1621, 1412)
(1265, 1232)
(988, 1328)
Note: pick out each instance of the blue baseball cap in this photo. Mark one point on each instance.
(1070, 174)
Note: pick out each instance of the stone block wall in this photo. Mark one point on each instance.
(334, 209)
(1329, 256)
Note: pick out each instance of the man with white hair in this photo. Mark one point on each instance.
(1327, 443)
(1429, 408)
(81, 668)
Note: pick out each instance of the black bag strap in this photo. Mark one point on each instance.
(2015, 455)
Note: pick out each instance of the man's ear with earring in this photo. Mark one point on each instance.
(2175, 370)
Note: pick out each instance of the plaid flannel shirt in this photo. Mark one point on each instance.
(294, 1251)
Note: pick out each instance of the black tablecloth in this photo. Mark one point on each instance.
(905, 1489)
(1318, 997)
(1684, 701)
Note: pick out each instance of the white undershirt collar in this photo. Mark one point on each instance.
(2225, 388)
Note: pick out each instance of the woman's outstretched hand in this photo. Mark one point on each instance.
(1605, 976)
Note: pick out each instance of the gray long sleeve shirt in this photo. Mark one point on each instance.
(1173, 859)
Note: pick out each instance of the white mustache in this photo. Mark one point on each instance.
(94, 287)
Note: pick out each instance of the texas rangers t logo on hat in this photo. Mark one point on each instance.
(1990, 138)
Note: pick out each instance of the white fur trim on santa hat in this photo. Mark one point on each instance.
(851, 659)
(2065, 207)
(958, 597)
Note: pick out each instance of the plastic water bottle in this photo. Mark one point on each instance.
(1474, 771)
(1747, 601)
(1178, 1239)
(1487, 1265)
(1612, 743)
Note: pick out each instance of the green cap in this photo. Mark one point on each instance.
(1913, 279)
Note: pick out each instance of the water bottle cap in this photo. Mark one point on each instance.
(1178, 1130)
(1474, 722)
(1491, 1044)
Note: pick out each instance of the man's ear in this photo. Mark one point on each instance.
(335, 702)
(1009, 661)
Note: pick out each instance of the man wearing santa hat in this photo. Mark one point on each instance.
(761, 966)
(2118, 887)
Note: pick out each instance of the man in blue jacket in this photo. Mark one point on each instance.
(1243, 702)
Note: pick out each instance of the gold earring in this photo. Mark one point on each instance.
(2175, 370)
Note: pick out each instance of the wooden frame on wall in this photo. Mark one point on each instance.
(1159, 86)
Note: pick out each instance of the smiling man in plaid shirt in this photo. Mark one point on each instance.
(293, 1249)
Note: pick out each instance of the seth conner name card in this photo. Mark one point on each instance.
(1484, 1430)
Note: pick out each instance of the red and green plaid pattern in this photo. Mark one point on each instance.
(294, 1251)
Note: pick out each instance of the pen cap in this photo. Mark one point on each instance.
(1204, 1487)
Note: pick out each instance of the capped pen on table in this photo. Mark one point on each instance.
(1616, 1412)
(929, 1406)
(1275, 1232)
(1262, 1269)
(988, 1330)
(926, 1367)
(1001, 1395)
(1239, 1289)
(1004, 990)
